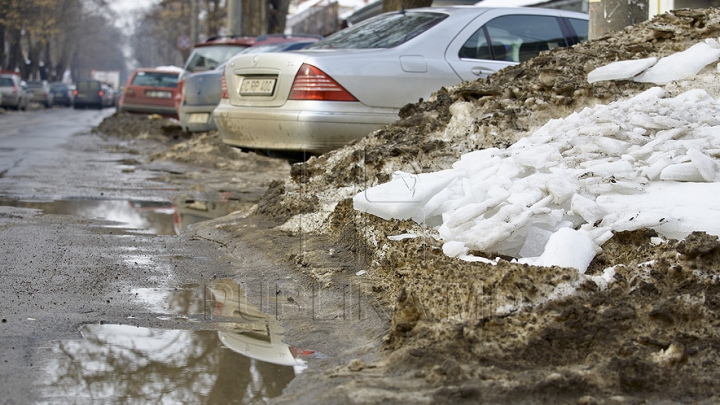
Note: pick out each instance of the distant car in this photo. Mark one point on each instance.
(13, 93)
(90, 93)
(355, 81)
(62, 94)
(215, 51)
(40, 91)
(200, 92)
(109, 95)
(151, 91)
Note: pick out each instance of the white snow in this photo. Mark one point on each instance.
(554, 197)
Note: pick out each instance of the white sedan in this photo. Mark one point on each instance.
(355, 81)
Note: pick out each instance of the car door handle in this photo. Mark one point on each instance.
(478, 71)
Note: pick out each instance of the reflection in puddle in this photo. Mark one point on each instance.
(156, 217)
(123, 363)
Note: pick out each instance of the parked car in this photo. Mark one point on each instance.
(110, 96)
(151, 91)
(62, 94)
(90, 93)
(214, 51)
(217, 50)
(355, 81)
(13, 93)
(40, 92)
(200, 92)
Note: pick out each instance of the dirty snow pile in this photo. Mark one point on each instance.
(554, 197)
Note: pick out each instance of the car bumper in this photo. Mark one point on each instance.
(295, 128)
(197, 118)
(9, 100)
(148, 109)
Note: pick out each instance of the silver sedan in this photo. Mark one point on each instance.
(355, 81)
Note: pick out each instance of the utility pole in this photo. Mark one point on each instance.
(194, 21)
(613, 15)
(234, 12)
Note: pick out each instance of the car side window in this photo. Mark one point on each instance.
(514, 38)
(580, 27)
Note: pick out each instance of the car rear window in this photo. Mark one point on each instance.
(6, 81)
(155, 79)
(88, 86)
(384, 31)
(58, 87)
(209, 57)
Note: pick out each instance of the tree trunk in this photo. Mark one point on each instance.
(16, 60)
(254, 17)
(215, 16)
(395, 5)
(277, 15)
(3, 57)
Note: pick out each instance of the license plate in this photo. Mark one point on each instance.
(158, 94)
(199, 118)
(257, 87)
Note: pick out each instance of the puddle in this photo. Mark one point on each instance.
(156, 217)
(243, 361)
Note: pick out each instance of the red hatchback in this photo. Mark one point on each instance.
(151, 91)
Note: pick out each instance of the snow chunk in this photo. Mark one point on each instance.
(680, 65)
(622, 70)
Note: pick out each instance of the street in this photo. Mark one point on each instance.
(100, 299)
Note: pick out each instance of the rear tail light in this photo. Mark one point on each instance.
(100, 93)
(312, 83)
(181, 95)
(75, 92)
(224, 93)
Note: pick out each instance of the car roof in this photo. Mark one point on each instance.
(159, 69)
(259, 40)
(516, 10)
(229, 40)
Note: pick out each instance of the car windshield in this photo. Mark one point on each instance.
(155, 79)
(384, 31)
(209, 57)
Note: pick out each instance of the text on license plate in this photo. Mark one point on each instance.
(158, 94)
(257, 87)
(201, 118)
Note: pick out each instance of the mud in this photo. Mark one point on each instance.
(642, 325)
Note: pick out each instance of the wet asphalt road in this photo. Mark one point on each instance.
(80, 250)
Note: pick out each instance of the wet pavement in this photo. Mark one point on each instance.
(104, 297)
(243, 362)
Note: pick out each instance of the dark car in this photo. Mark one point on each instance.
(201, 91)
(151, 91)
(90, 93)
(40, 93)
(62, 94)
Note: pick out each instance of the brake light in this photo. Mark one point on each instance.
(312, 83)
(100, 93)
(224, 93)
(75, 92)
(181, 95)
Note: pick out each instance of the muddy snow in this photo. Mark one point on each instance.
(641, 325)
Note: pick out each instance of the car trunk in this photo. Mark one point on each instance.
(203, 88)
